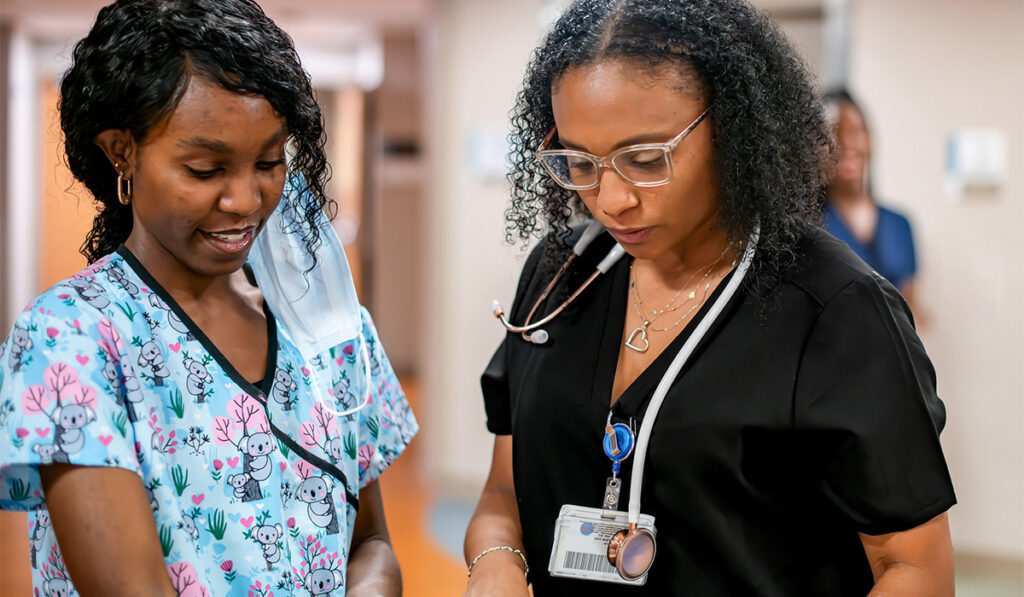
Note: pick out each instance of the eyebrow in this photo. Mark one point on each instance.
(634, 140)
(218, 146)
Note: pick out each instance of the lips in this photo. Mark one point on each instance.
(230, 241)
(630, 235)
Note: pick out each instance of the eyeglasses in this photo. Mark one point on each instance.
(643, 165)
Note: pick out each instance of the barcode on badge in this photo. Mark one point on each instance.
(591, 562)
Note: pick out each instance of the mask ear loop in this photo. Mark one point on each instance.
(369, 385)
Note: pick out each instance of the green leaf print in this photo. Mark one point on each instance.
(215, 524)
(350, 446)
(177, 404)
(374, 426)
(284, 448)
(166, 542)
(120, 420)
(127, 310)
(19, 490)
(180, 478)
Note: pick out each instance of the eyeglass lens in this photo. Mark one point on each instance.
(641, 166)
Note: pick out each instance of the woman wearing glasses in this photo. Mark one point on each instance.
(737, 405)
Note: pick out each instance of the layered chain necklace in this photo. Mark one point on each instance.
(638, 340)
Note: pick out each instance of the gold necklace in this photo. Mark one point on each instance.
(642, 343)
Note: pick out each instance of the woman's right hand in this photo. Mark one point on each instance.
(497, 573)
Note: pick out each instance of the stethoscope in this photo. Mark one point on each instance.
(540, 336)
(631, 550)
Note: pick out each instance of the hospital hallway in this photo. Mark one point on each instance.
(428, 568)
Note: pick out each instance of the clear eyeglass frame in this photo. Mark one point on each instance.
(543, 155)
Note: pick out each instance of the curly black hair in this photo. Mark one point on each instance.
(771, 142)
(134, 66)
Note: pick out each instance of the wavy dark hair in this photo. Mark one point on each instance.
(132, 69)
(771, 142)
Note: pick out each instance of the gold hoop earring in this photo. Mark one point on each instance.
(124, 188)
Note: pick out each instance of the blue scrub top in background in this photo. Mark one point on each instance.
(890, 252)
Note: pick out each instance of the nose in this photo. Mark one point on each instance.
(242, 195)
(615, 195)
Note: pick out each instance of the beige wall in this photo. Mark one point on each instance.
(481, 51)
(922, 68)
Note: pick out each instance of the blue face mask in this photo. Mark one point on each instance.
(318, 307)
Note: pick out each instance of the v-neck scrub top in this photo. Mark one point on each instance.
(793, 427)
(253, 489)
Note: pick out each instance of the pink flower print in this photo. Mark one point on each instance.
(52, 332)
(349, 349)
(21, 432)
(227, 565)
(218, 464)
(291, 523)
(365, 456)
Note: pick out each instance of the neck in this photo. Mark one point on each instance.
(848, 193)
(704, 247)
(185, 286)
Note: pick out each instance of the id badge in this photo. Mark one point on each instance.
(580, 549)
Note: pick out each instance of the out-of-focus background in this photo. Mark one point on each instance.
(416, 94)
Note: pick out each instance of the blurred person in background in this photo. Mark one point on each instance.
(878, 235)
(697, 348)
(174, 429)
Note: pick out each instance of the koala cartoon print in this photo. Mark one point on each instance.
(20, 345)
(283, 387)
(90, 292)
(227, 466)
(188, 524)
(39, 529)
(151, 357)
(198, 377)
(116, 275)
(45, 452)
(172, 318)
(323, 581)
(315, 492)
(72, 418)
(268, 536)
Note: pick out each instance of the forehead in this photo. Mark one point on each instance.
(850, 116)
(206, 109)
(608, 101)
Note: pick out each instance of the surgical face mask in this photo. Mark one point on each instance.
(319, 307)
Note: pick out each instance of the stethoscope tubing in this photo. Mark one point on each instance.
(647, 425)
(592, 231)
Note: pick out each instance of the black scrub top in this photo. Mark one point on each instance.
(793, 427)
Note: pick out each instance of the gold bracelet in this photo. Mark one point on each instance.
(526, 567)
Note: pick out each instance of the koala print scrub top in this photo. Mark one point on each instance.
(254, 488)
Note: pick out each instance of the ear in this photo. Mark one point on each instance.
(338, 578)
(120, 148)
(278, 528)
(90, 414)
(243, 444)
(329, 483)
(307, 580)
(56, 412)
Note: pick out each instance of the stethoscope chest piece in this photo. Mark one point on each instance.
(632, 552)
